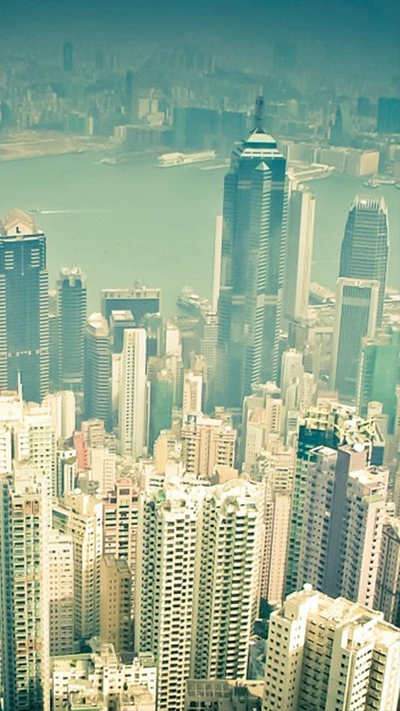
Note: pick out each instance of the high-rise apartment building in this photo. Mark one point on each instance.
(356, 311)
(68, 57)
(206, 444)
(227, 580)
(252, 266)
(199, 557)
(331, 426)
(365, 245)
(331, 655)
(61, 592)
(81, 516)
(24, 312)
(387, 595)
(161, 402)
(133, 394)
(24, 593)
(299, 252)
(72, 298)
(97, 369)
(344, 510)
(389, 114)
(115, 603)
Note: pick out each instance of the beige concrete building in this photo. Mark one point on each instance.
(206, 443)
(81, 515)
(333, 654)
(101, 677)
(115, 603)
(223, 695)
(192, 392)
(61, 596)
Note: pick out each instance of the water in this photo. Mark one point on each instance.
(135, 222)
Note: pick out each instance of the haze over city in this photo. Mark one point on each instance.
(200, 355)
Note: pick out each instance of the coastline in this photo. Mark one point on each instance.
(32, 144)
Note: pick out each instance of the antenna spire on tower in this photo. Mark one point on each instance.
(259, 111)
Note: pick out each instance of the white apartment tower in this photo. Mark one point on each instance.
(81, 516)
(133, 393)
(24, 590)
(166, 555)
(198, 579)
(330, 655)
(60, 554)
(299, 252)
(227, 581)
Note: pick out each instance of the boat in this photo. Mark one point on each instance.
(35, 211)
(397, 185)
(170, 160)
(108, 161)
(193, 303)
(371, 183)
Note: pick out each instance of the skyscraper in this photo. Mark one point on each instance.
(133, 393)
(24, 591)
(365, 245)
(68, 57)
(357, 303)
(97, 369)
(252, 265)
(24, 317)
(299, 252)
(378, 374)
(72, 310)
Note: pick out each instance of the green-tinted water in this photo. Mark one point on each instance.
(133, 222)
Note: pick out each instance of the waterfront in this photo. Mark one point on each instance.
(133, 221)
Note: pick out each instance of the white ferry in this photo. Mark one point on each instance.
(169, 160)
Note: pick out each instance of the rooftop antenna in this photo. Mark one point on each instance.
(259, 111)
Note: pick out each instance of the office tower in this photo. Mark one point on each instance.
(119, 321)
(71, 288)
(161, 402)
(133, 393)
(243, 695)
(115, 603)
(81, 516)
(97, 369)
(24, 314)
(387, 591)
(192, 613)
(252, 266)
(140, 300)
(106, 678)
(192, 392)
(330, 426)
(208, 350)
(298, 252)
(337, 136)
(61, 597)
(99, 60)
(292, 369)
(206, 444)
(130, 104)
(219, 223)
(24, 590)
(378, 374)
(68, 57)
(344, 509)
(341, 656)
(365, 245)
(54, 342)
(356, 313)
(389, 115)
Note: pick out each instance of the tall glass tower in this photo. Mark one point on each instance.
(365, 246)
(252, 265)
(71, 289)
(24, 310)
